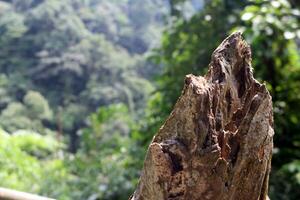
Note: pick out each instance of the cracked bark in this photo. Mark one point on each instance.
(217, 142)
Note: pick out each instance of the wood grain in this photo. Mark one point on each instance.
(217, 142)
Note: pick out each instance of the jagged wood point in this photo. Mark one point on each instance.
(217, 142)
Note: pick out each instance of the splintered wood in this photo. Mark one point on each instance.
(217, 142)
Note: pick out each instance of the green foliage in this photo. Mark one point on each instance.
(28, 114)
(286, 181)
(12, 25)
(37, 105)
(272, 27)
(30, 157)
(4, 93)
(79, 54)
(105, 167)
(112, 157)
(60, 61)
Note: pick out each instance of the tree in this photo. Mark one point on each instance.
(29, 114)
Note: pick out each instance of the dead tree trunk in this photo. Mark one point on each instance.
(217, 142)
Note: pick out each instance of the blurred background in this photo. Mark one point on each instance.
(85, 84)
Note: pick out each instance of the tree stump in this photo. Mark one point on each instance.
(217, 142)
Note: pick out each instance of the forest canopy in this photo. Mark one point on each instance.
(85, 84)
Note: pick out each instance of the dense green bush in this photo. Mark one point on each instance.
(27, 158)
(112, 157)
(28, 114)
(105, 167)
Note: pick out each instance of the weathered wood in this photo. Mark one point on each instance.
(8, 194)
(217, 142)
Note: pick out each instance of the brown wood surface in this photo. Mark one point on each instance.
(217, 142)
